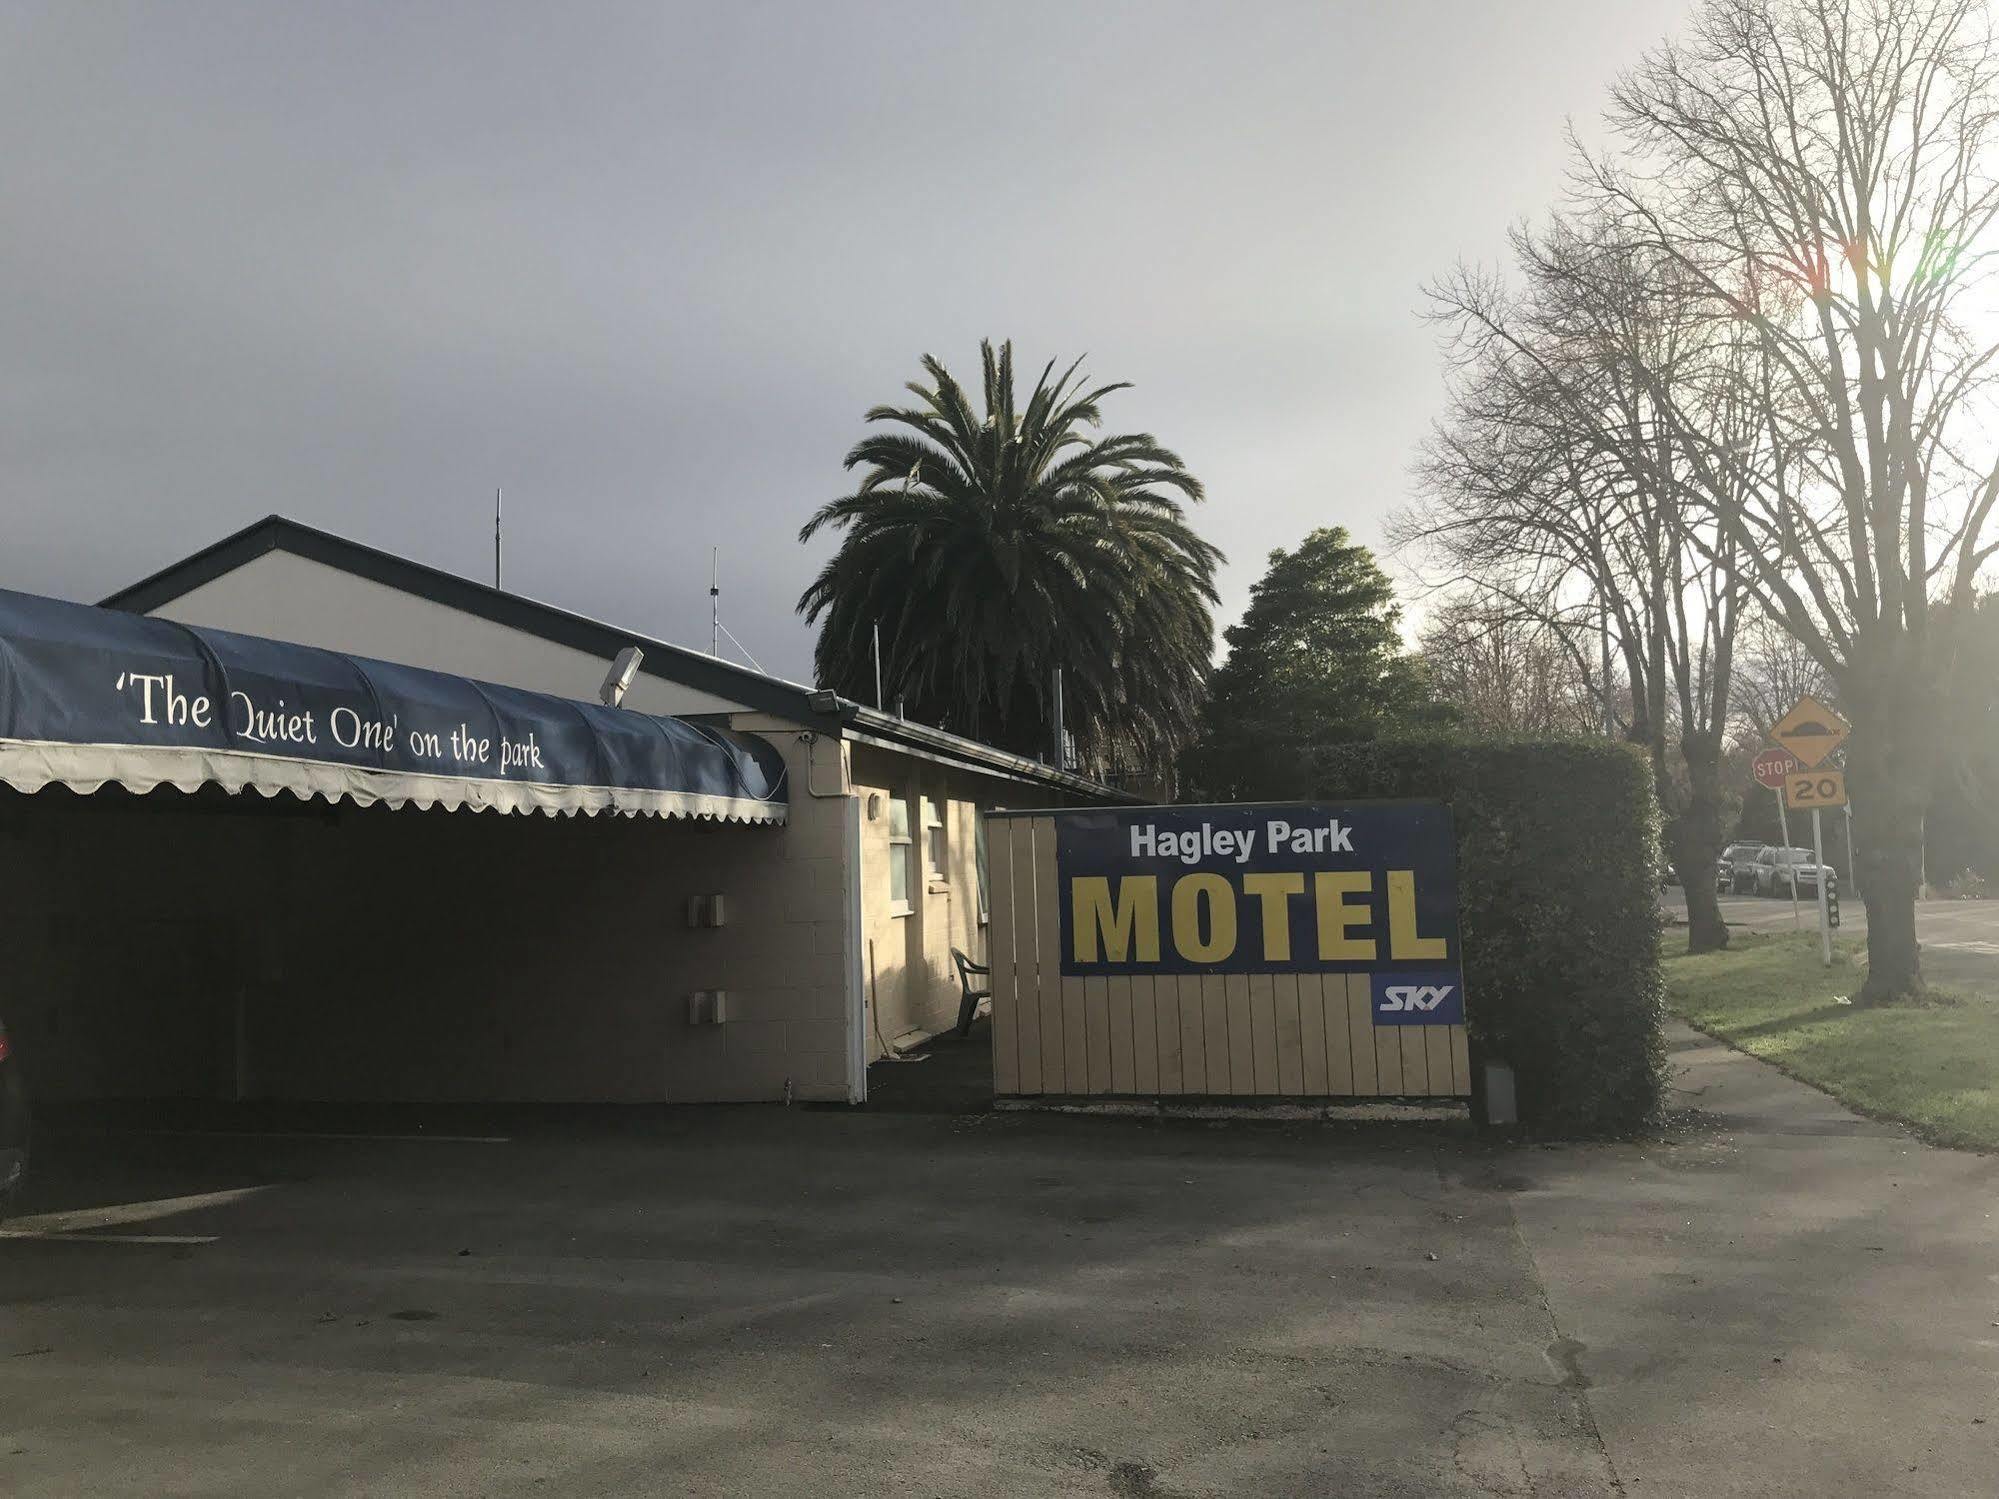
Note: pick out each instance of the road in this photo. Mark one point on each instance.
(1960, 937)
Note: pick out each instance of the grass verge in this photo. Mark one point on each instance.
(1934, 1066)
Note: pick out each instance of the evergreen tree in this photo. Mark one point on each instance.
(1315, 660)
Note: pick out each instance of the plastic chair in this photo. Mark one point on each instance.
(968, 1005)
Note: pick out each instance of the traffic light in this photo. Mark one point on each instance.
(1831, 901)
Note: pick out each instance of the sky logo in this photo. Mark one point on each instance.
(1430, 998)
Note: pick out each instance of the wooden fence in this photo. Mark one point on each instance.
(1273, 1035)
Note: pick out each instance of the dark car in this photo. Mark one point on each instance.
(1735, 870)
(13, 1124)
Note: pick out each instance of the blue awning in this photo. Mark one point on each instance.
(92, 696)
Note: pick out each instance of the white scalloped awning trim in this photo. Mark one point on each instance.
(31, 764)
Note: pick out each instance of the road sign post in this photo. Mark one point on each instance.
(1770, 767)
(1811, 731)
(1784, 826)
(1852, 859)
(1817, 790)
(1811, 790)
(1825, 925)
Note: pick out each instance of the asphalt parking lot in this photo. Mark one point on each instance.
(1779, 1298)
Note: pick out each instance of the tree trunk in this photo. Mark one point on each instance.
(1694, 842)
(1706, 931)
(1888, 763)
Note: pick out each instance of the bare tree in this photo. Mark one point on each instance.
(1508, 670)
(1820, 171)
(1772, 672)
(1561, 478)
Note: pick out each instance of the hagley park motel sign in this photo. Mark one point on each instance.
(1276, 888)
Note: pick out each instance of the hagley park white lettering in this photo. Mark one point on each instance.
(160, 701)
(1211, 842)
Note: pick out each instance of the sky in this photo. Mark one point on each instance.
(646, 266)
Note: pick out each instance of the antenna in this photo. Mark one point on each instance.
(730, 635)
(878, 666)
(714, 601)
(497, 496)
(1061, 752)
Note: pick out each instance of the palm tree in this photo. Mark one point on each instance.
(991, 549)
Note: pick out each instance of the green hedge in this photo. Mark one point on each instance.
(1558, 909)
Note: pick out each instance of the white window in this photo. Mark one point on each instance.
(934, 849)
(979, 848)
(901, 852)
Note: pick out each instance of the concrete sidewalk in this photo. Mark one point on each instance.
(1786, 1299)
(1780, 1299)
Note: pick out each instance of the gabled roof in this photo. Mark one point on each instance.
(757, 691)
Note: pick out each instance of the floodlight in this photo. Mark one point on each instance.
(620, 676)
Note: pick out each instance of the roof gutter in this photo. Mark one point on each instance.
(871, 725)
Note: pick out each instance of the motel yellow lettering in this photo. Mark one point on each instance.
(1404, 943)
(1126, 929)
(1219, 944)
(1338, 916)
(1117, 919)
(1275, 892)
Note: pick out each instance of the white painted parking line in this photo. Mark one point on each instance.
(122, 1214)
(285, 1134)
(48, 1236)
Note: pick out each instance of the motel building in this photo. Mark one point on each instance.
(298, 819)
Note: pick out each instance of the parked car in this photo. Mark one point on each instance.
(1778, 869)
(1735, 870)
(13, 1124)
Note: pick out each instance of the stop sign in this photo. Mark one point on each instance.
(1772, 765)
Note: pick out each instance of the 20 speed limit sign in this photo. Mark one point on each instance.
(1815, 788)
